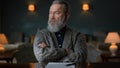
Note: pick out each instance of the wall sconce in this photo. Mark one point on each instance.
(3, 40)
(113, 38)
(31, 7)
(85, 7)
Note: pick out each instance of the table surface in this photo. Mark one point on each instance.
(106, 57)
(85, 65)
(7, 55)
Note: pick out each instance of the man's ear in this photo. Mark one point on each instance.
(67, 16)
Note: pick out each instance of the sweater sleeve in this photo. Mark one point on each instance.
(48, 54)
(80, 49)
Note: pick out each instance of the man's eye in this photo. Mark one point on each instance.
(57, 12)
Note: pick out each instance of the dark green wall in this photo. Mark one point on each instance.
(103, 16)
(0, 19)
(0, 22)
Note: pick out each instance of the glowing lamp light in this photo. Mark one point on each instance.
(1, 47)
(113, 38)
(3, 40)
(85, 7)
(31, 7)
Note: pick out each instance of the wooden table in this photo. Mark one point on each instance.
(85, 65)
(106, 57)
(7, 55)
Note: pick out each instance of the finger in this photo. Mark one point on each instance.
(40, 45)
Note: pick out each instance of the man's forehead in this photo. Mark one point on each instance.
(56, 6)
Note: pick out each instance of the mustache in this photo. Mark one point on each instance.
(52, 20)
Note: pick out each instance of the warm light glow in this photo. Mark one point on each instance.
(31, 7)
(3, 39)
(85, 7)
(113, 38)
(31, 65)
(113, 49)
(1, 48)
(32, 39)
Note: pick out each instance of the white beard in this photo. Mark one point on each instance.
(57, 26)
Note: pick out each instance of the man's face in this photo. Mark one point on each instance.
(56, 18)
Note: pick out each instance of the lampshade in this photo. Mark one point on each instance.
(112, 37)
(3, 39)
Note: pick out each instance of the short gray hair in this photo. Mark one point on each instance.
(64, 3)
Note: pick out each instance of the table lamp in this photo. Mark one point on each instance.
(3, 40)
(113, 38)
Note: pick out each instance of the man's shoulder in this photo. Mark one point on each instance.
(74, 31)
(76, 34)
(43, 30)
